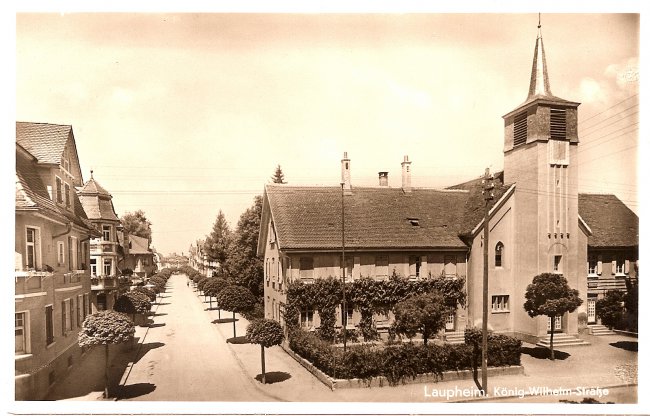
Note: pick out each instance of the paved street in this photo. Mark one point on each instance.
(183, 349)
(184, 356)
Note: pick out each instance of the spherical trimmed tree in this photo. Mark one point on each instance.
(549, 294)
(212, 287)
(105, 328)
(236, 299)
(146, 291)
(266, 333)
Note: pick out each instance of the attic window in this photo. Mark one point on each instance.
(521, 129)
(414, 222)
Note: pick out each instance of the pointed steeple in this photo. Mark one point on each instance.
(539, 84)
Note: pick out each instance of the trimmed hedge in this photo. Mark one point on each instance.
(399, 362)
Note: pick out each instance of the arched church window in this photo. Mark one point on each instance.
(498, 255)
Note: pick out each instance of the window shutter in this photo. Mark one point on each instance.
(599, 267)
(63, 318)
(613, 266)
(627, 266)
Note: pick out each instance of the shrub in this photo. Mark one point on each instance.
(146, 291)
(399, 362)
(610, 308)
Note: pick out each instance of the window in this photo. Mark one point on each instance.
(32, 242)
(66, 319)
(520, 129)
(415, 264)
(108, 267)
(80, 317)
(498, 255)
(349, 312)
(71, 304)
(21, 333)
(70, 257)
(59, 190)
(450, 266)
(381, 266)
(93, 267)
(557, 264)
(106, 232)
(500, 303)
(620, 265)
(60, 253)
(68, 201)
(592, 265)
(307, 317)
(49, 327)
(306, 267)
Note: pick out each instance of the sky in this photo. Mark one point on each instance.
(185, 114)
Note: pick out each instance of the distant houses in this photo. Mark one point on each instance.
(67, 255)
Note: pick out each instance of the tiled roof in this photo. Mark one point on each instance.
(97, 202)
(139, 245)
(310, 217)
(32, 194)
(45, 141)
(612, 223)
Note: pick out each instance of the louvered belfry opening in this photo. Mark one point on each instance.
(558, 123)
(521, 129)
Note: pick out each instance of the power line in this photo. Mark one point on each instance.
(609, 108)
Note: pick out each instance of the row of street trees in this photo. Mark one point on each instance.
(236, 250)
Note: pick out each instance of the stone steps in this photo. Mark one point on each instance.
(561, 340)
(455, 337)
(600, 330)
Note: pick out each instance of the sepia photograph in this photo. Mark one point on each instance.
(236, 212)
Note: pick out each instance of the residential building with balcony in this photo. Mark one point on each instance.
(138, 256)
(52, 252)
(107, 282)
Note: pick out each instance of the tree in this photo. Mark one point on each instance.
(133, 302)
(136, 223)
(236, 299)
(147, 292)
(266, 333)
(424, 313)
(105, 328)
(549, 294)
(610, 308)
(243, 265)
(278, 176)
(216, 244)
(212, 287)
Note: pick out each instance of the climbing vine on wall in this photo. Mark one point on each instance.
(369, 297)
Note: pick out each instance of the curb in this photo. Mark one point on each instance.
(127, 370)
(241, 364)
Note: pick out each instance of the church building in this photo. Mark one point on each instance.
(536, 225)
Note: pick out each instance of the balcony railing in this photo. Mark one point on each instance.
(103, 247)
(103, 282)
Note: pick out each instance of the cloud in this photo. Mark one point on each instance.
(625, 73)
(591, 91)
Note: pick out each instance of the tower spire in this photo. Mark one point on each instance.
(539, 84)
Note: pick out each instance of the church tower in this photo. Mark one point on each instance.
(541, 159)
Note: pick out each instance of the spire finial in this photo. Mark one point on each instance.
(539, 20)
(539, 84)
(91, 173)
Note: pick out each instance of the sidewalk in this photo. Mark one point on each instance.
(85, 381)
(599, 365)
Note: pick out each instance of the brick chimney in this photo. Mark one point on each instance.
(383, 178)
(345, 174)
(406, 175)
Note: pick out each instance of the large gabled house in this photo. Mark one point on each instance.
(52, 281)
(106, 280)
(537, 223)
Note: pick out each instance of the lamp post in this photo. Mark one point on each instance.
(344, 314)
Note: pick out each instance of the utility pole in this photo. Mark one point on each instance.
(488, 195)
(344, 312)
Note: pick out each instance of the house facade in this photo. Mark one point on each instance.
(106, 280)
(52, 253)
(138, 256)
(536, 225)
